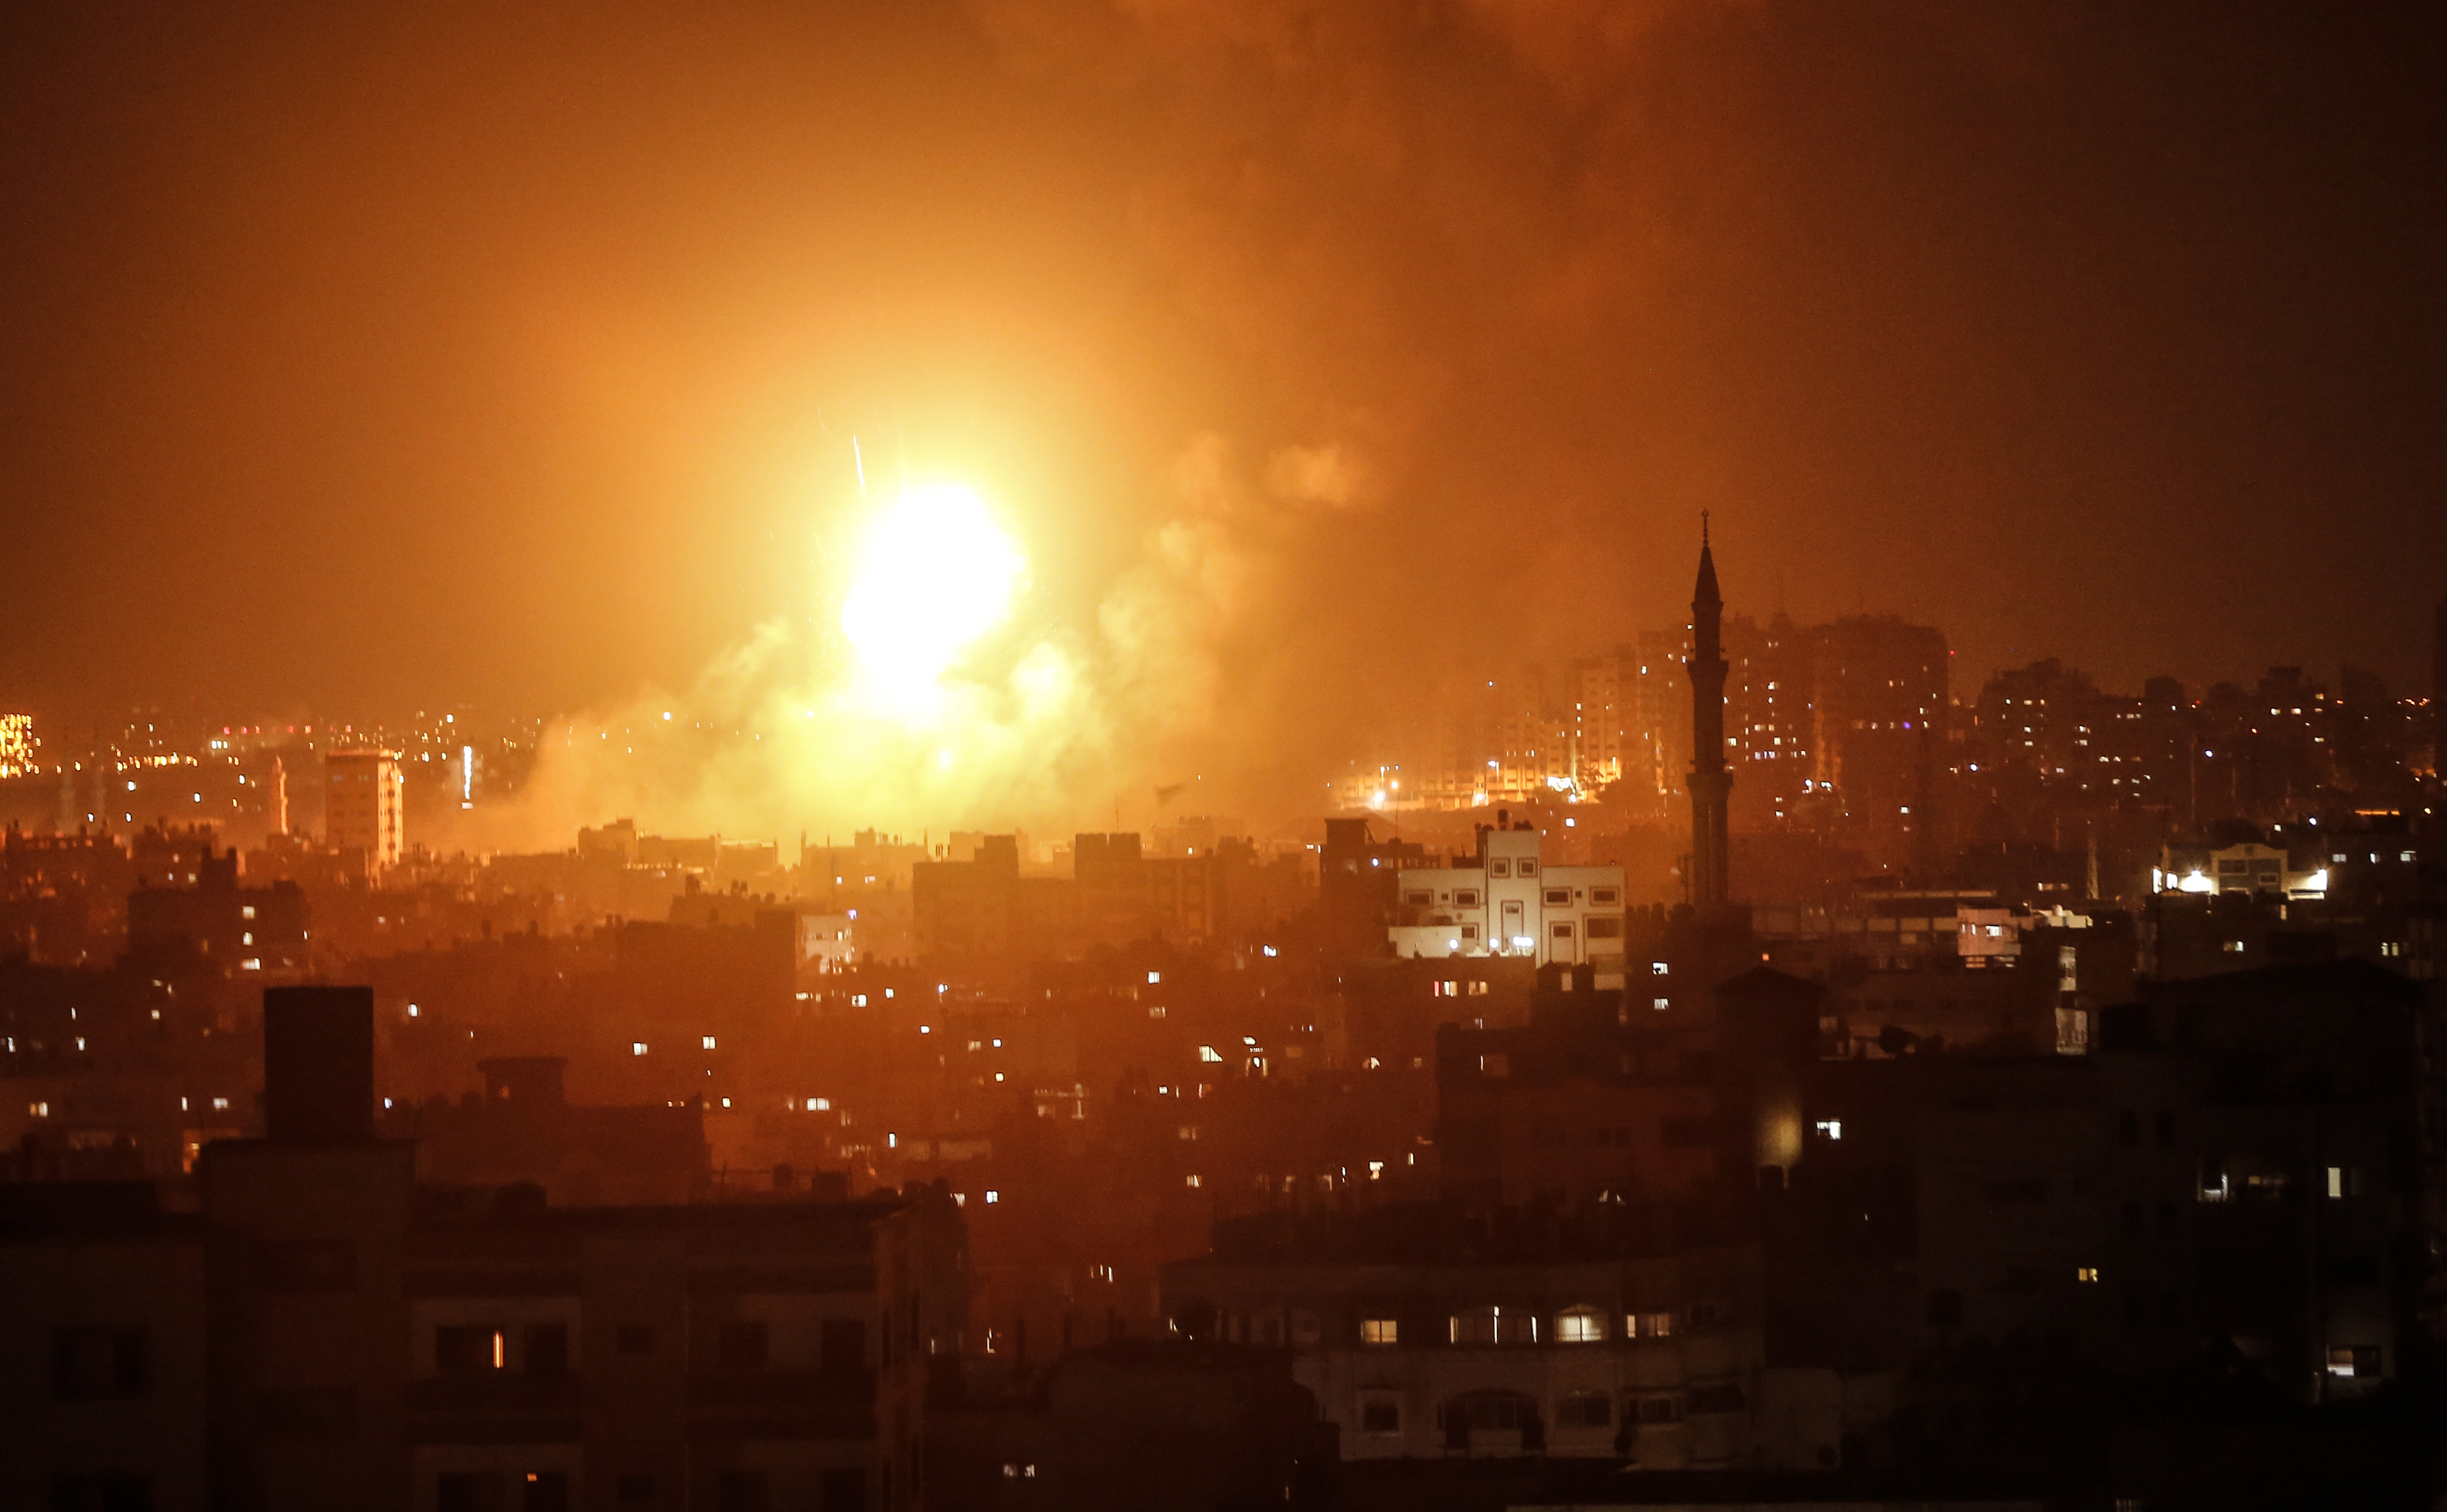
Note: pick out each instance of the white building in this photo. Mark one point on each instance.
(364, 802)
(2247, 868)
(1510, 903)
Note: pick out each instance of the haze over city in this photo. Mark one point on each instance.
(525, 355)
(1156, 754)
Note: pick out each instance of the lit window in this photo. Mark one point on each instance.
(993, 1195)
(1380, 1330)
(1154, 978)
(1832, 1127)
(820, 1104)
(1580, 1325)
(638, 1047)
(1661, 1003)
(1189, 1181)
(2353, 1360)
(1658, 969)
(1649, 1325)
(709, 1042)
(2086, 1275)
(1479, 1325)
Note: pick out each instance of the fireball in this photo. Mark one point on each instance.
(934, 574)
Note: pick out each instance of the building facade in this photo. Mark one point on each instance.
(365, 804)
(1506, 901)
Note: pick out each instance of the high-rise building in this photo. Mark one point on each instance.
(1710, 784)
(2439, 687)
(365, 800)
(1879, 694)
(17, 745)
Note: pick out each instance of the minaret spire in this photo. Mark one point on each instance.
(1710, 782)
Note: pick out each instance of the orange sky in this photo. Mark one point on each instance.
(395, 358)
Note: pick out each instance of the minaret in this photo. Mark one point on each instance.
(1710, 782)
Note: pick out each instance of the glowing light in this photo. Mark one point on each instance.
(936, 574)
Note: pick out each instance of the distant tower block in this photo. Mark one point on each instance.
(1712, 784)
(364, 805)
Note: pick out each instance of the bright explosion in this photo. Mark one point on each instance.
(934, 574)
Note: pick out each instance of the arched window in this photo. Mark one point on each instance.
(1581, 1325)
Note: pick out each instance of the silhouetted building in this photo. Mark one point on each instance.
(1131, 1425)
(217, 921)
(1425, 1334)
(1358, 882)
(103, 1372)
(1879, 693)
(524, 1129)
(331, 1334)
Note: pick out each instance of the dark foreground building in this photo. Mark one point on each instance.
(327, 1334)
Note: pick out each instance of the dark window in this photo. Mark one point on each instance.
(315, 1265)
(2166, 1126)
(1466, 897)
(87, 1364)
(843, 1491)
(1689, 1133)
(1659, 1410)
(545, 1491)
(1585, 1409)
(1469, 1137)
(1606, 928)
(547, 1349)
(1381, 1415)
(102, 1493)
(2349, 1271)
(635, 1490)
(468, 1491)
(1558, 896)
(634, 1338)
(463, 1349)
(1716, 1396)
(742, 1491)
(328, 1414)
(845, 1347)
(2128, 1126)
(743, 1344)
